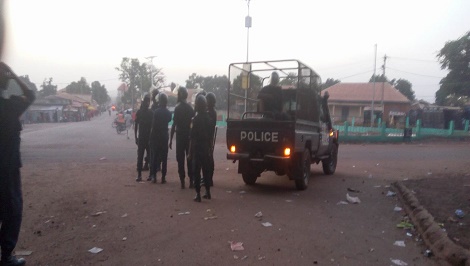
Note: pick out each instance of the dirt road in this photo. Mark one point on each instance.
(74, 201)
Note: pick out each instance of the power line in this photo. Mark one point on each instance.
(429, 76)
(412, 59)
(369, 71)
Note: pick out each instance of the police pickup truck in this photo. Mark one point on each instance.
(285, 132)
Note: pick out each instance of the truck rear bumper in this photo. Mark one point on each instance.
(246, 156)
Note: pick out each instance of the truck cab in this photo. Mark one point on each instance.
(286, 139)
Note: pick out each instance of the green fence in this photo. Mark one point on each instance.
(381, 133)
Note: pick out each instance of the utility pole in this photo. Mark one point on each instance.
(383, 84)
(373, 90)
(151, 69)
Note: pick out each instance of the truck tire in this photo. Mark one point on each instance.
(249, 178)
(301, 182)
(329, 164)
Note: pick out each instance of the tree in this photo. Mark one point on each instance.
(455, 56)
(14, 88)
(378, 78)
(47, 88)
(139, 78)
(79, 87)
(290, 80)
(404, 86)
(99, 92)
(329, 82)
(215, 84)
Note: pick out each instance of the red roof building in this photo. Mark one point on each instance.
(354, 100)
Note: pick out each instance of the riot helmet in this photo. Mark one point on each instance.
(182, 94)
(155, 92)
(210, 98)
(200, 104)
(145, 101)
(162, 99)
(202, 92)
(274, 78)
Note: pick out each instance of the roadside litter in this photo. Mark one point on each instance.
(342, 203)
(428, 253)
(267, 224)
(397, 209)
(405, 225)
(103, 159)
(183, 213)
(353, 190)
(400, 243)
(398, 262)
(391, 194)
(98, 213)
(236, 246)
(95, 250)
(459, 213)
(23, 253)
(353, 200)
(259, 215)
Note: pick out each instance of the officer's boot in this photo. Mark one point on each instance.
(182, 183)
(208, 192)
(139, 176)
(197, 198)
(191, 182)
(163, 179)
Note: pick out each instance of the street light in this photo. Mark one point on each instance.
(248, 26)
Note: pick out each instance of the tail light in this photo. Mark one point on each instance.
(233, 149)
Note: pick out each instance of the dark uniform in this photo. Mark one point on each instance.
(201, 147)
(271, 97)
(11, 200)
(213, 116)
(159, 141)
(143, 124)
(153, 107)
(181, 124)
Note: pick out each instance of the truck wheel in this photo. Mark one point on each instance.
(249, 178)
(329, 164)
(302, 182)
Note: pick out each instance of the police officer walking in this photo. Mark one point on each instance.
(143, 124)
(151, 158)
(210, 97)
(200, 140)
(181, 125)
(159, 137)
(11, 199)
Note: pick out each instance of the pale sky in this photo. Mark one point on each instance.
(67, 40)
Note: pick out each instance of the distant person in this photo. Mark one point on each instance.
(200, 141)
(143, 124)
(181, 125)
(210, 98)
(128, 119)
(120, 118)
(159, 138)
(11, 199)
(270, 96)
